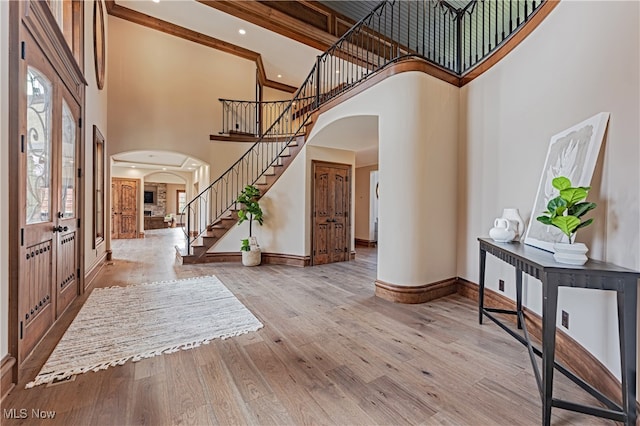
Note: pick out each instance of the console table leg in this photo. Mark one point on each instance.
(627, 333)
(549, 309)
(519, 295)
(483, 261)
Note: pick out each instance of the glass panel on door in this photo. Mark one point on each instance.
(38, 147)
(68, 201)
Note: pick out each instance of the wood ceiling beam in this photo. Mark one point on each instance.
(178, 31)
(294, 24)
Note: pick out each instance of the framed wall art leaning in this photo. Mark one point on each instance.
(572, 153)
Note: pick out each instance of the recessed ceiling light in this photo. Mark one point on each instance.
(133, 167)
(156, 1)
(189, 168)
(241, 31)
(164, 168)
(193, 164)
(279, 75)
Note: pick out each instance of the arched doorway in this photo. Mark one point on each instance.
(162, 180)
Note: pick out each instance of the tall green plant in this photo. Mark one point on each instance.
(564, 211)
(250, 208)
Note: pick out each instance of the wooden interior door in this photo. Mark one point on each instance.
(48, 182)
(124, 208)
(331, 213)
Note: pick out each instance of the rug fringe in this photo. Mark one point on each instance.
(45, 378)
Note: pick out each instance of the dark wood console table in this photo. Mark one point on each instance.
(592, 275)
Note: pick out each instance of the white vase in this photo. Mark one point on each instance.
(514, 216)
(571, 254)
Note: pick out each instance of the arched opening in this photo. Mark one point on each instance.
(156, 185)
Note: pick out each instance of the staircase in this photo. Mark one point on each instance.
(434, 31)
(215, 231)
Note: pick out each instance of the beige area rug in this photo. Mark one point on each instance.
(118, 324)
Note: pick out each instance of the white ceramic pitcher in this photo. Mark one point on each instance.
(502, 230)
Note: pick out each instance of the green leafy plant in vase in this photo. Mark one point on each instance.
(565, 212)
(250, 211)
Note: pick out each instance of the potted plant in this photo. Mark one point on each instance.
(565, 212)
(250, 211)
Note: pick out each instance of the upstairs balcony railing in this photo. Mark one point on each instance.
(254, 118)
(483, 25)
(454, 39)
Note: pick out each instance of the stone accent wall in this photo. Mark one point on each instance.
(160, 206)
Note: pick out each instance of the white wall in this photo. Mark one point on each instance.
(163, 93)
(583, 59)
(270, 94)
(417, 120)
(4, 177)
(283, 229)
(172, 197)
(95, 114)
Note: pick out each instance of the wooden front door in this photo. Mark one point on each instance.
(331, 213)
(124, 208)
(48, 190)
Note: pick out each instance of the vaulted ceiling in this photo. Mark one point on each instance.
(280, 55)
(284, 37)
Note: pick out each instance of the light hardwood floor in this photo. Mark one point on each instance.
(329, 353)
